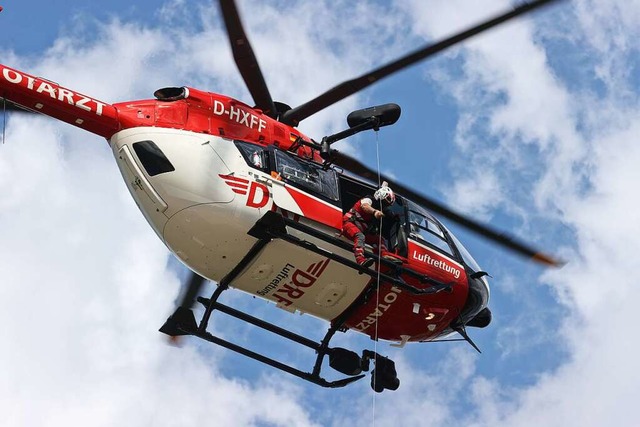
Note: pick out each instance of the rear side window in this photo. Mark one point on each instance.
(254, 155)
(152, 158)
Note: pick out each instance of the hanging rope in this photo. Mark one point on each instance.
(375, 343)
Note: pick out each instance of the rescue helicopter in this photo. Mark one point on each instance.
(243, 198)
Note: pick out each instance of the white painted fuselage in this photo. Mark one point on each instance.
(204, 208)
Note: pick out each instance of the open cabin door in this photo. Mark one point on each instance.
(394, 224)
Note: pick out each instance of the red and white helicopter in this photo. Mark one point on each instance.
(243, 198)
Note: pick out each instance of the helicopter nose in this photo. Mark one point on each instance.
(168, 170)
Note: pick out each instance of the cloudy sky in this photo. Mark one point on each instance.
(533, 128)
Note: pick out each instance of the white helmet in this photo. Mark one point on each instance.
(384, 193)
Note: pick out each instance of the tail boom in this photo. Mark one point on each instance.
(55, 101)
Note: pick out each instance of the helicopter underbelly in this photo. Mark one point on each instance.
(202, 212)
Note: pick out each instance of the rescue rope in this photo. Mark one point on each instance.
(379, 249)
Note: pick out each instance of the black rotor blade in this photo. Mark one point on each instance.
(194, 284)
(345, 89)
(246, 59)
(502, 239)
(182, 321)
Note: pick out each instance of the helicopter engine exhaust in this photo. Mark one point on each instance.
(171, 93)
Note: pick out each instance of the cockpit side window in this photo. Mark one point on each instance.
(424, 229)
(307, 175)
(254, 155)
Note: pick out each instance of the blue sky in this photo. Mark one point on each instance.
(532, 128)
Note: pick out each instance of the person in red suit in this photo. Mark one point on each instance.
(360, 220)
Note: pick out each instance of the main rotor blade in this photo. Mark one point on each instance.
(502, 239)
(246, 59)
(294, 116)
(190, 294)
(182, 321)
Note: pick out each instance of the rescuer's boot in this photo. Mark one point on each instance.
(365, 262)
(391, 257)
(358, 252)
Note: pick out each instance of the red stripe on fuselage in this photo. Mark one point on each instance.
(317, 268)
(238, 185)
(322, 266)
(233, 178)
(316, 209)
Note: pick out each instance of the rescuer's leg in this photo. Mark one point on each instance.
(357, 236)
(358, 250)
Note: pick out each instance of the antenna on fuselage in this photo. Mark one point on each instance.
(463, 331)
(4, 112)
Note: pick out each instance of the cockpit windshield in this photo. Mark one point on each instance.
(424, 227)
(466, 256)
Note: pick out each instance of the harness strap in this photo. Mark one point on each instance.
(353, 216)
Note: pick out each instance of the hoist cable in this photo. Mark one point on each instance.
(379, 249)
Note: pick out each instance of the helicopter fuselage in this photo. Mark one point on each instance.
(242, 198)
(208, 197)
(202, 195)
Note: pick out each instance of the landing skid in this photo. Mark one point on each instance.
(347, 362)
(183, 322)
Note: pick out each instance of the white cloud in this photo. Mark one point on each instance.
(84, 291)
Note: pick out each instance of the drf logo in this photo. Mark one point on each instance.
(300, 281)
(258, 193)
